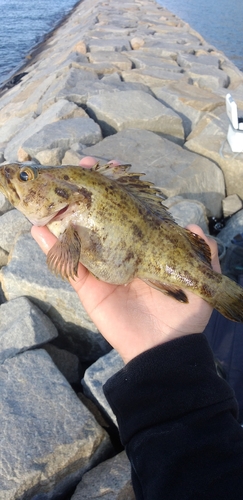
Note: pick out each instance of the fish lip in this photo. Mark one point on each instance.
(58, 215)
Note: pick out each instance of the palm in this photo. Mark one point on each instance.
(135, 317)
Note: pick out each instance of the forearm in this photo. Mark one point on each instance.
(177, 420)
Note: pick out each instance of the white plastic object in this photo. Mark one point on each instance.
(235, 130)
(231, 110)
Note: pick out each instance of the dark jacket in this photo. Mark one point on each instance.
(178, 422)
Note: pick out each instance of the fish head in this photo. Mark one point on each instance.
(40, 193)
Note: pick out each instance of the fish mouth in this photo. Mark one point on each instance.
(60, 213)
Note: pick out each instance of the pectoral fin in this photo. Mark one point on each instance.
(63, 258)
(171, 290)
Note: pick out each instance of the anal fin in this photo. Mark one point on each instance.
(171, 290)
(63, 258)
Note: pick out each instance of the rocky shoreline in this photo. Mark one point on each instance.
(119, 81)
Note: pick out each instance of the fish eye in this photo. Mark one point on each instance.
(26, 174)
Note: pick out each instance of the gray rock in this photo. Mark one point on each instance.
(192, 61)
(143, 61)
(110, 480)
(5, 205)
(188, 212)
(71, 157)
(96, 376)
(31, 95)
(60, 110)
(134, 109)
(3, 259)
(23, 326)
(63, 134)
(27, 274)
(153, 77)
(231, 204)
(208, 77)
(70, 85)
(12, 223)
(209, 139)
(52, 156)
(109, 44)
(48, 438)
(233, 226)
(66, 362)
(232, 71)
(161, 48)
(189, 101)
(117, 59)
(11, 127)
(169, 166)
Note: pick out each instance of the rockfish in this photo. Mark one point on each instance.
(116, 225)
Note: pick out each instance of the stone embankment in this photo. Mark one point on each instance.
(118, 80)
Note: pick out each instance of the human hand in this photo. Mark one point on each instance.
(135, 317)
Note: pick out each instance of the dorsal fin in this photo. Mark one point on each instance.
(148, 194)
(110, 170)
(200, 246)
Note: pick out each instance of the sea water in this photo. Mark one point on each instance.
(23, 24)
(220, 22)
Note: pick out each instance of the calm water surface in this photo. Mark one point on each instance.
(23, 24)
(220, 22)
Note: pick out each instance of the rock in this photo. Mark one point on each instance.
(80, 47)
(231, 204)
(208, 77)
(195, 61)
(96, 376)
(209, 139)
(187, 212)
(48, 438)
(136, 42)
(232, 71)
(12, 223)
(23, 326)
(162, 48)
(153, 77)
(22, 155)
(117, 59)
(149, 61)
(174, 169)
(66, 362)
(233, 226)
(27, 274)
(3, 261)
(63, 134)
(120, 110)
(110, 480)
(71, 158)
(52, 156)
(110, 44)
(61, 110)
(189, 101)
(5, 205)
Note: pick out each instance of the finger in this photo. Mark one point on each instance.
(43, 237)
(88, 162)
(211, 243)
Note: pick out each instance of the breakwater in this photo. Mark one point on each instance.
(119, 81)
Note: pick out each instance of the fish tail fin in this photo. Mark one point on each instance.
(229, 300)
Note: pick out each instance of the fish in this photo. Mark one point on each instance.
(114, 223)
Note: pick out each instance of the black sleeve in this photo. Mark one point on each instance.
(178, 422)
